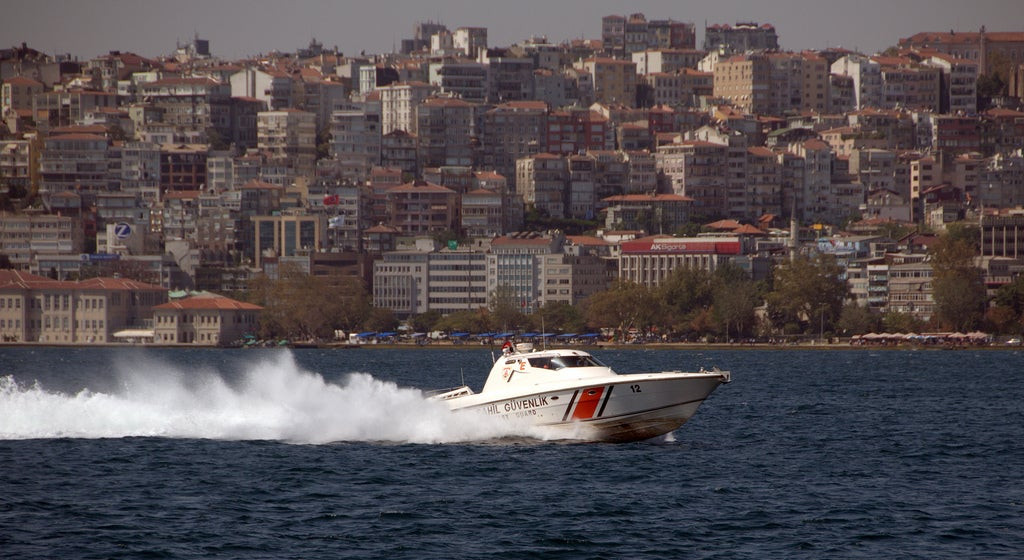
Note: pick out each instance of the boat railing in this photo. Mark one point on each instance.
(450, 393)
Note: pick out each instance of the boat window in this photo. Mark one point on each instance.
(543, 363)
(559, 362)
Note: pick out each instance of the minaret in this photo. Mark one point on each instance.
(794, 241)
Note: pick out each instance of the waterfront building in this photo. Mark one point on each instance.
(204, 320)
(650, 260)
(38, 309)
(515, 267)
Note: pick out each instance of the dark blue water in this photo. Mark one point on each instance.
(253, 454)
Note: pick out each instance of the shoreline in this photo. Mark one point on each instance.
(585, 347)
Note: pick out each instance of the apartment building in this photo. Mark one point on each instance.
(614, 80)
(512, 131)
(542, 181)
(272, 87)
(684, 87)
(958, 92)
(668, 61)
(24, 236)
(510, 75)
(400, 281)
(289, 136)
(16, 94)
(15, 162)
(53, 109)
(573, 131)
(287, 234)
(867, 79)
(655, 213)
(986, 48)
(183, 167)
(482, 213)
(740, 38)
(622, 35)
(697, 170)
(470, 41)
(464, 79)
(446, 132)
(910, 287)
(398, 105)
(515, 267)
(191, 103)
(745, 81)
(355, 140)
(1002, 234)
(140, 170)
(419, 207)
(907, 84)
(76, 161)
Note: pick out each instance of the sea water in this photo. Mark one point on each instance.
(174, 453)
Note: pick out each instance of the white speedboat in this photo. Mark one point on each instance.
(580, 398)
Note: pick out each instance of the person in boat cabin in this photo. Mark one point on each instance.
(506, 348)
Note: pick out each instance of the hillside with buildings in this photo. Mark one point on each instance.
(142, 199)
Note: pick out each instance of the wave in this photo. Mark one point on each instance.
(273, 399)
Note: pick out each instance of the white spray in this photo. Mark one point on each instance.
(274, 400)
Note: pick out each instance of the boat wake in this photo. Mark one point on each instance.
(273, 400)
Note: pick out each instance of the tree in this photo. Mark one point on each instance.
(856, 319)
(684, 294)
(957, 286)
(807, 292)
(381, 320)
(425, 321)
(624, 306)
(1012, 295)
(507, 310)
(300, 306)
(468, 320)
(734, 298)
(216, 140)
(323, 144)
(1002, 320)
(734, 306)
(558, 316)
(896, 322)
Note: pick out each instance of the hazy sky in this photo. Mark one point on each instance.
(237, 28)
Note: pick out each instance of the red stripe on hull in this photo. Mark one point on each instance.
(589, 399)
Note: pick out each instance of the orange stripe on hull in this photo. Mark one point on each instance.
(589, 400)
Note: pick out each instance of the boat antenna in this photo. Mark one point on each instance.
(543, 339)
(462, 375)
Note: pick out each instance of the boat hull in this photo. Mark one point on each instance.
(619, 408)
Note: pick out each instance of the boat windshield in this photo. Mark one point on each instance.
(561, 362)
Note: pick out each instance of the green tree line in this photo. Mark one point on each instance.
(806, 296)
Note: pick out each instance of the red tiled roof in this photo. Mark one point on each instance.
(257, 184)
(725, 225)
(209, 302)
(116, 284)
(587, 240)
(648, 198)
(420, 186)
(748, 230)
(23, 81)
(19, 279)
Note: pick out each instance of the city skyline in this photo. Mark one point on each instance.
(239, 28)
